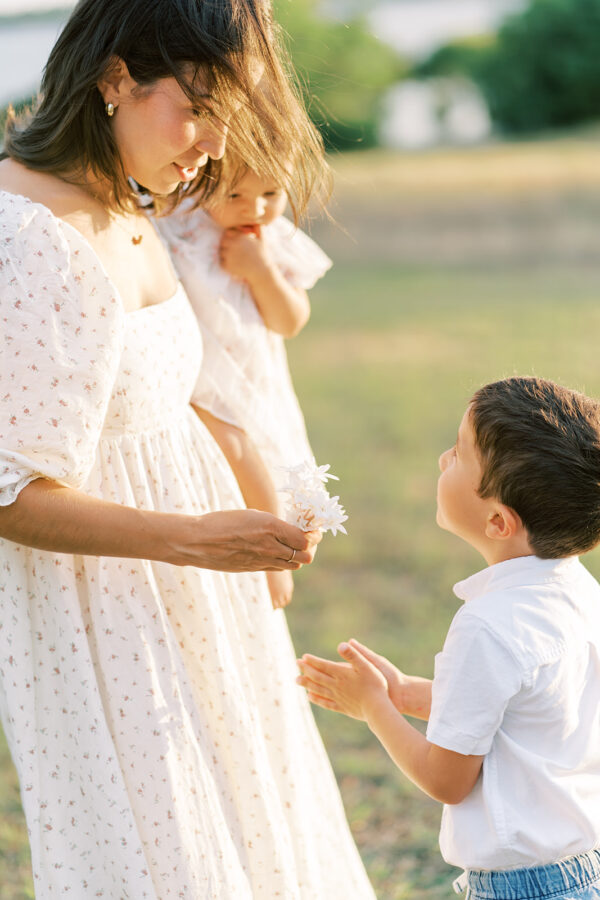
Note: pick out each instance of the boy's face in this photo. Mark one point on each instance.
(460, 509)
(252, 202)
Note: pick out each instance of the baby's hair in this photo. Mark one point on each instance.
(234, 167)
(539, 448)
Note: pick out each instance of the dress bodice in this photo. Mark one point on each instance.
(159, 366)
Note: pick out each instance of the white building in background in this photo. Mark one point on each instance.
(420, 114)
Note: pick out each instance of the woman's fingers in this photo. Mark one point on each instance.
(297, 547)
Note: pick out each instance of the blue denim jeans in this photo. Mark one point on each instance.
(574, 878)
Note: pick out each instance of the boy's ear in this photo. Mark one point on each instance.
(502, 523)
(116, 84)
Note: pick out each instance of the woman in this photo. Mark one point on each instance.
(147, 695)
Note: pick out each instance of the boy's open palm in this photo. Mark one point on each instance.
(349, 687)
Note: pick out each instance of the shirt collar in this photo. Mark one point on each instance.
(512, 573)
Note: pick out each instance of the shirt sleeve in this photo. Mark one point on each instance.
(299, 258)
(475, 677)
(61, 344)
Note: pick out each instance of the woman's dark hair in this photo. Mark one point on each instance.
(539, 448)
(224, 41)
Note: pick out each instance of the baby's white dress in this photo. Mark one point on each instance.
(162, 746)
(247, 380)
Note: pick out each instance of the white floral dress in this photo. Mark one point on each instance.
(247, 379)
(162, 746)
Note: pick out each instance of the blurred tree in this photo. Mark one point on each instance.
(461, 57)
(342, 72)
(543, 71)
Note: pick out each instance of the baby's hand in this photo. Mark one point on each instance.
(243, 254)
(281, 588)
(349, 688)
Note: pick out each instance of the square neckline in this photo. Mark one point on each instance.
(179, 289)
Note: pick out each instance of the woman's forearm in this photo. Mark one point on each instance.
(50, 516)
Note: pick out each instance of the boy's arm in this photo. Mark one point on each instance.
(359, 689)
(284, 308)
(255, 484)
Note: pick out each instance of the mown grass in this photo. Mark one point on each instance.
(455, 268)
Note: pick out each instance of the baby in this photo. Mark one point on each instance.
(246, 270)
(513, 738)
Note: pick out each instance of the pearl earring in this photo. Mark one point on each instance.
(110, 109)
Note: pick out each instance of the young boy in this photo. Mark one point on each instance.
(513, 738)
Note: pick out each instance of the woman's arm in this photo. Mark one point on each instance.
(50, 516)
(284, 308)
(255, 484)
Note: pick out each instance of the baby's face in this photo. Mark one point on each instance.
(254, 201)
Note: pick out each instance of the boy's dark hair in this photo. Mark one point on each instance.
(539, 447)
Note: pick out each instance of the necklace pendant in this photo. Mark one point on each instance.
(137, 239)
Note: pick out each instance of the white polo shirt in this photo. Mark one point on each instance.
(518, 680)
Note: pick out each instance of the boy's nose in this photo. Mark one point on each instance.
(442, 461)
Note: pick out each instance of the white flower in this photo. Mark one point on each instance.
(309, 505)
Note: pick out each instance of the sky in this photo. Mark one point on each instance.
(416, 27)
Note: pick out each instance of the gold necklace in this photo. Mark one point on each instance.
(136, 239)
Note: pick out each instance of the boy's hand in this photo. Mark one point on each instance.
(243, 254)
(281, 588)
(350, 688)
(396, 680)
(410, 694)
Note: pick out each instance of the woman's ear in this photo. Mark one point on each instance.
(116, 85)
(502, 523)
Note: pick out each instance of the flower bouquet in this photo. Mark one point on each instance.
(309, 505)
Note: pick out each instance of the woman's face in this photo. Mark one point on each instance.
(163, 140)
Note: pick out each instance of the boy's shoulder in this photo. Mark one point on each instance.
(538, 609)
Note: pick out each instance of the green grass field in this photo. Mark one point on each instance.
(453, 268)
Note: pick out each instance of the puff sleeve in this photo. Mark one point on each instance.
(301, 260)
(62, 330)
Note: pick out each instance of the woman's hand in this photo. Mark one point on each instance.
(244, 540)
(50, 516)
(350, 688)
(281, 588)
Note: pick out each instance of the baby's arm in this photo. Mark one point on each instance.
(284, 308)
(358, 688)
(255, 484)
